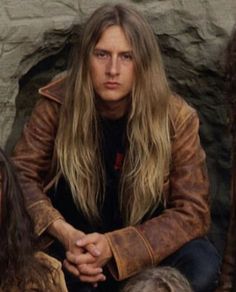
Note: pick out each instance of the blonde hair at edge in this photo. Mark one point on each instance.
(158, 279)
(148, 139)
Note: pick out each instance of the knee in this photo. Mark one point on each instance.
(205, 277)
(204, 266)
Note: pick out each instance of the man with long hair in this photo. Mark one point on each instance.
(111, 163)
(22, 267)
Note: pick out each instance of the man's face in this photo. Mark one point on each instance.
(112, 65)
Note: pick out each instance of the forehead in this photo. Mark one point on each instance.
(114, 39)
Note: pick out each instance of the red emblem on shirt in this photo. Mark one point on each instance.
(118, 161)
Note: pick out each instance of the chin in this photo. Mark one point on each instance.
(112, 98)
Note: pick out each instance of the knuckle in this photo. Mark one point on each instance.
(99, 278)
(83, 268)
(85, 279)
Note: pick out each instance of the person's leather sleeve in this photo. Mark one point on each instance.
(187, 214)
(33, 157)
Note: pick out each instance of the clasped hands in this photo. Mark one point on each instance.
(86, 255)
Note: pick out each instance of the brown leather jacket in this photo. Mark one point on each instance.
(186, 186)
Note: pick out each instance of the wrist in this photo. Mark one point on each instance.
(109, 249)
(61, 230)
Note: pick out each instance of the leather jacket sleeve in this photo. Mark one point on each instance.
(32, 157)
(186, 215)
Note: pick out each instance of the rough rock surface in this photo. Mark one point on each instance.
(34, 36)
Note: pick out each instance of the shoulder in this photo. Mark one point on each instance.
(55, 277)
(55, 90)
(52, 97)
(180, 112)
(48, 261)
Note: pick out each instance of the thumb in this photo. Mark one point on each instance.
(88, 242)
(87, 239)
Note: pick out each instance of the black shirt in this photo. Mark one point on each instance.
(112, 153)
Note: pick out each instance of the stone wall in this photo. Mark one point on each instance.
(34, 42)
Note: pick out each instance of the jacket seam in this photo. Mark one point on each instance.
(147, 245)
(36, 203)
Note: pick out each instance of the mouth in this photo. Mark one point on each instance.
(111, 84)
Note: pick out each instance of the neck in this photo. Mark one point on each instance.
(113, 110)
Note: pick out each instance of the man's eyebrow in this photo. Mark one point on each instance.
(107, 51)
(127, 52)
(100, 49)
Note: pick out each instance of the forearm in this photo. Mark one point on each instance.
(135, 248)
(63, 231)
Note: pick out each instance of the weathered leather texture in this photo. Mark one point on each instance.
(186, 187)
(187, 214)
(32, 157)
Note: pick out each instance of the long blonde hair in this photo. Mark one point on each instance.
(148, 140)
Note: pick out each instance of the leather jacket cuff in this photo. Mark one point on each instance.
(131, 252)
(43, 215)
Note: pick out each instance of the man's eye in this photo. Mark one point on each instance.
(127, 56)
(101, 55)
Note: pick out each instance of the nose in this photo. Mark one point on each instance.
(113, 66)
